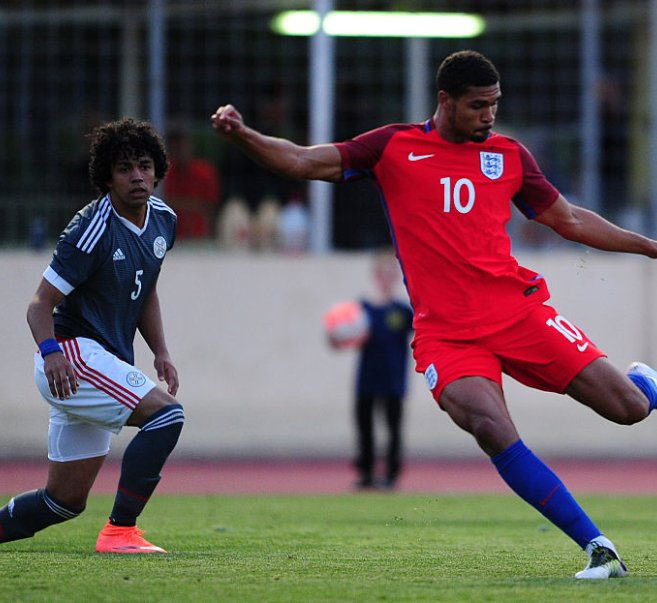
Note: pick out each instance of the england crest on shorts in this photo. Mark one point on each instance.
(492, 164)
(431, 376)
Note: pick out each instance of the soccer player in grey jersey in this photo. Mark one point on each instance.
(99, 289)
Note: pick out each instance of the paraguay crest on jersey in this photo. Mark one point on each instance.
(159, 247)
(492, 164)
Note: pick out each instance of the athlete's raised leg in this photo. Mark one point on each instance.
(609, 392)
(478, 406)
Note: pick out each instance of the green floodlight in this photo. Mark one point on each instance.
(379, 24)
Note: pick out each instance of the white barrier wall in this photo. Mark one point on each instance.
(257, 378)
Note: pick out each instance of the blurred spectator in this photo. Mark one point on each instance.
(382, 374)
(294, 226)
(234, 225)
(266, 224)
(192, 186)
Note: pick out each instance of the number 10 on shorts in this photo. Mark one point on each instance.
(568, 330)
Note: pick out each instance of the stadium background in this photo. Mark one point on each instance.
(245, 328)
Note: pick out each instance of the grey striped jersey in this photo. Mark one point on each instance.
(107, 267)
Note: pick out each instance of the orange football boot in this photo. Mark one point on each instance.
(126, 540)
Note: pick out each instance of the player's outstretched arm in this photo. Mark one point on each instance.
(589, 228)
(319, 162)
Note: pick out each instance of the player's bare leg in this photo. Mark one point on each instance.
(608, 391)
(71, 482)
(477, 405)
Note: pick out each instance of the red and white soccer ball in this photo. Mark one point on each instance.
(347, 325)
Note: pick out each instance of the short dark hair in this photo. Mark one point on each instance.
(126, 137)
(465, 69)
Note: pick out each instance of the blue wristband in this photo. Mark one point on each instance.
(49, 346)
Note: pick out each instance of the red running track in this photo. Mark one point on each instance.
(335, 476)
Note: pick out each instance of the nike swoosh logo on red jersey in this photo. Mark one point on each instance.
(413, 157)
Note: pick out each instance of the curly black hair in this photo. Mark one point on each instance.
(465, 69)
(126, 137)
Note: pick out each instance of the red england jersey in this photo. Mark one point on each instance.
(448, 206)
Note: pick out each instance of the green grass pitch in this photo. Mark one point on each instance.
(335, 548)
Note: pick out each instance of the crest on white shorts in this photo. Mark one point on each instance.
(492, 164)
(135, 379)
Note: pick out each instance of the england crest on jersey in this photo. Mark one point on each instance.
(492, 164)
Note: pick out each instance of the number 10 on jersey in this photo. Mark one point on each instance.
(456, 196)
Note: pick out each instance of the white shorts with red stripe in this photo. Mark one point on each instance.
(109, 391)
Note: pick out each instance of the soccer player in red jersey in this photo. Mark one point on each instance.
(447, 186)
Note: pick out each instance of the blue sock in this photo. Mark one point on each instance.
(27, 513)
(143, 460)
(538, 485)
(647, 386)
